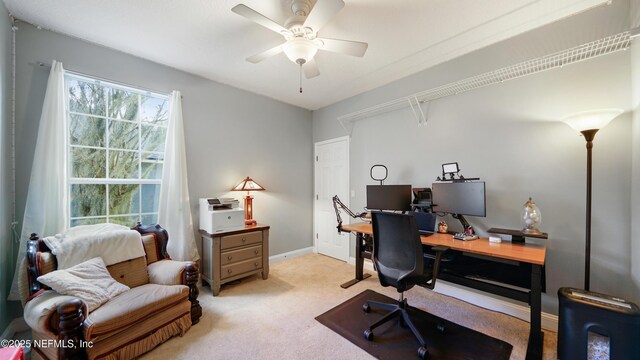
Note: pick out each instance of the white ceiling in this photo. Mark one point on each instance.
(204, 37)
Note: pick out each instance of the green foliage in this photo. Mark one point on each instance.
(132, 127)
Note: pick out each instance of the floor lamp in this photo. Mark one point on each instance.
(248, 185)
(588, 123)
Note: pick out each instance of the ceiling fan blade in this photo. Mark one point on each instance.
(258, 18)
(353, 48)
(323, 11)
(310, 69)
(265, 54)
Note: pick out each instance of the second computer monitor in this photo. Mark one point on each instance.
(389, 197)
(462, 198)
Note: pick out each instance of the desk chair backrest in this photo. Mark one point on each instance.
(397, 250)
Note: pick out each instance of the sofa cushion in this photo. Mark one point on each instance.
(89, 281)
(131, 307)
(131, 272)
(151, 247)
(45, 262)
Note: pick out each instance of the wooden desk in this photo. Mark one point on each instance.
(520, 253)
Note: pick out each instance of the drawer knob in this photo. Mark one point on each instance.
(244, 240)
(255, 252)
(229, 257)
(256, 264)
(229, 271)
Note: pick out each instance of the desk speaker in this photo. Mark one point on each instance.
(583, 311)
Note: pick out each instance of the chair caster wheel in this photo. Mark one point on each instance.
(441, 328)
(423, 353)
(368, 334)
(366, 308)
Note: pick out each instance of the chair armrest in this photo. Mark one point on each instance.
(41, 312)
(168, 272)
(440, 248)
(436, 264)
(172, 272)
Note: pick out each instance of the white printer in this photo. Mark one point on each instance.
(220, 214)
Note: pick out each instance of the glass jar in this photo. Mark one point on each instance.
(531, 218)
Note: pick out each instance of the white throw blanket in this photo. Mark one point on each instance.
(113, 243)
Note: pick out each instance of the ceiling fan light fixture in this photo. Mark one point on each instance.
(299, 50)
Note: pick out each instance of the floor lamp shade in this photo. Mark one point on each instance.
(248, 184)
(588, 123)
(591, 120)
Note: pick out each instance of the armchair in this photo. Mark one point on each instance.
(161, 303)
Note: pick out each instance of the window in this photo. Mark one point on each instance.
(116, 150)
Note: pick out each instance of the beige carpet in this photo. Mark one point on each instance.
(274, 318)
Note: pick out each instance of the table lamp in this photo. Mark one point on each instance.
(248, 185)
(588, 123)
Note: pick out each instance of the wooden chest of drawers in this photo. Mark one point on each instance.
(231, 255)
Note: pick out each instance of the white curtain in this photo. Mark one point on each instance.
(46, 210)
(174, 213)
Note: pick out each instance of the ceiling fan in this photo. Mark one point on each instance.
(301, 33)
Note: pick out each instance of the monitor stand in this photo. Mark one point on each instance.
(463, 221)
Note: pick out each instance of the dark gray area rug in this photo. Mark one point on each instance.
(392, 341)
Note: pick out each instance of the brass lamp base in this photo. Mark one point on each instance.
(248, 185)
(248, 210)
(532, 232)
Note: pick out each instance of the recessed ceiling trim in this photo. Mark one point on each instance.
(559, 59)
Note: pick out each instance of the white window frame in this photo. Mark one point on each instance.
(108, 181)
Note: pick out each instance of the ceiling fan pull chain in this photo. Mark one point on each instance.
(300, 78)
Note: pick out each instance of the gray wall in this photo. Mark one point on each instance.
(6, 254)
(230, 133)
(509, 135)
(634, 14)
(635, 153)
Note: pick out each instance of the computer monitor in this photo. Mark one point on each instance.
(389, 197)
(462, 198)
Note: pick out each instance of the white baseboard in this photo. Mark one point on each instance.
(494, 302)
(15, 326)
(291, 254)
(483, 299)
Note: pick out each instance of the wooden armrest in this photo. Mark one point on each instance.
(61, 315)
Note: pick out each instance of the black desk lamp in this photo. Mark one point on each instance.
(588, 123)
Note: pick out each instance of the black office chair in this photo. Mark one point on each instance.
(399, 261)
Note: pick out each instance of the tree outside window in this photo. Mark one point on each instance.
(116, 151)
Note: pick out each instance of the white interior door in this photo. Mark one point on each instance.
(331, 178)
